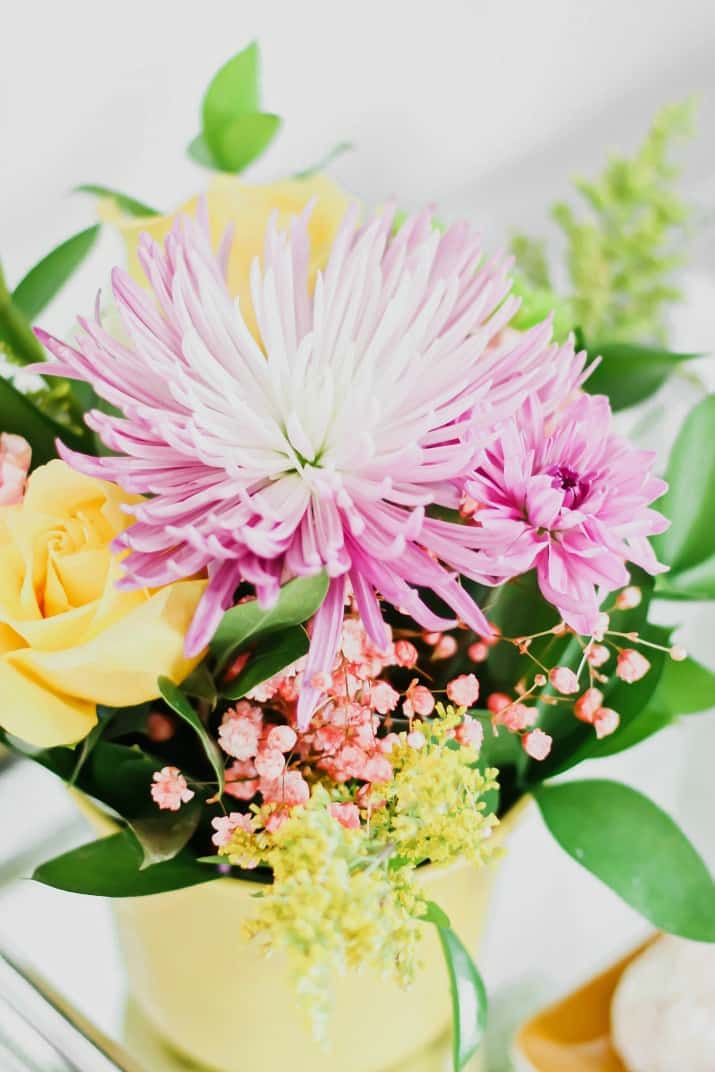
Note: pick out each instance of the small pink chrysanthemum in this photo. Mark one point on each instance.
(321, 446)
(537, 744)
(631, 665)
(570, 499)
(170, 789)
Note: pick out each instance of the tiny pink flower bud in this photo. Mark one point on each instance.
(537, 744)
(497, 701)
(470, 732)
(493, 637)
(420, 701)
(281, 738)
(405, 654)
(388, 742)
(631, 666)
(478, 652)
(237, 666)
(416, 739)
(377, 769)
(431, 638)
(588, 704)
(160, 727)
(445, 648)
(678, 654)
(463, 690)
(383, 697)
(348, 815)
(170, 789)
(605, 721)
(15, 458)
(468, 506)
(539, 680)
(629, 598)
(564, 680)
(322, 680)
(225, 825)
(291, 788)
(598, 654)
(270, 763)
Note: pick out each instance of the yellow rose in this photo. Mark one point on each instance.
(249, 209)
(69, 640)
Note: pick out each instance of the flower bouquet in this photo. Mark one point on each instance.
(329, 556)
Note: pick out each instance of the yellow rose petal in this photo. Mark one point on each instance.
(120, 666)
(40, 716)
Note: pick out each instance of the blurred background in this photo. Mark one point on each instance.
(484, 108)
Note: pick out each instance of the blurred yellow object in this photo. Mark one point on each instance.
(574, 1035)
(214, 997)
(230, 202)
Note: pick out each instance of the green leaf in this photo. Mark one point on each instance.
(273, 655)
(629, 843)
(298, 600)
(435, 914)
(629, 373)
(686, 687)
(178, 703)
(43, 282)
(243, 140)
(689, 502)
(200, 684)
(234, 91)
(234, 129)
(697, 583)
(198, 151)
(467, 990)
(129, 205)
(111, 867)
(163, 835)
(22, 417)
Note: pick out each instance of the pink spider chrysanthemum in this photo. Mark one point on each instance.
(571, 499)
(319, 447)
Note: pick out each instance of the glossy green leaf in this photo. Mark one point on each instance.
(629, 373)
(631, 845)
(16, 335)
(179, 703)
(248, 622)
(697, 583)
(686, 687)
(42, 283)
(467, 991)
(21, 416)
(129, 205)
(243, 140)
(164, 834)
(199, 152)
(234, 91)
(276, 652)
(112, 867)
(689, 502)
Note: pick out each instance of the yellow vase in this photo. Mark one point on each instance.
(214, 997)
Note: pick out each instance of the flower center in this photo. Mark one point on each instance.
(574, 486)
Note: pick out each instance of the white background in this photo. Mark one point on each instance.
(486, 108)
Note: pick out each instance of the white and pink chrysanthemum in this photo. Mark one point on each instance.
(571, 499)
(320, 447)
